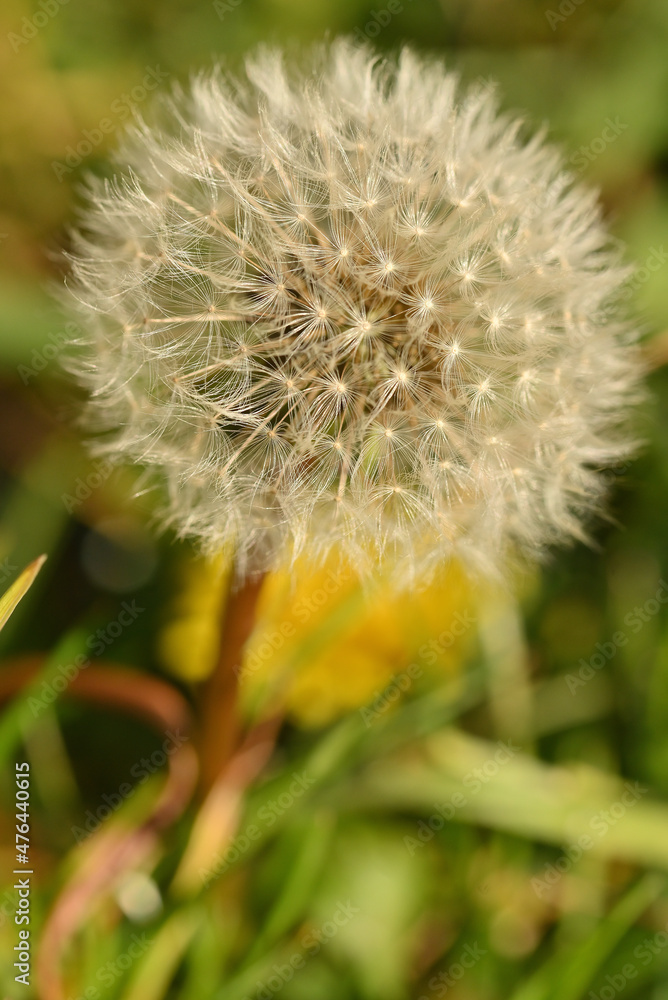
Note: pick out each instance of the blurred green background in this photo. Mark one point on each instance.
(396, 852)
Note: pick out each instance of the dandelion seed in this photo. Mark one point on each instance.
(350, 309)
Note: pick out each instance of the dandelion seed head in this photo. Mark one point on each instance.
(354, 308)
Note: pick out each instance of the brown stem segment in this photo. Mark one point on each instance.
(220, 723)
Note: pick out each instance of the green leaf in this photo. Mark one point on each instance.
(26, 709)
(296, 892)
(566, 975)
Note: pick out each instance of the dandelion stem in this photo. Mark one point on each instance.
(220, 723)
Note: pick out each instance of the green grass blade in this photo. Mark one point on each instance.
(14, 594)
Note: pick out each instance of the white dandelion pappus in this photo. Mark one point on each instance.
(354, 308)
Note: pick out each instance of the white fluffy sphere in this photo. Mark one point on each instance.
(354, 307)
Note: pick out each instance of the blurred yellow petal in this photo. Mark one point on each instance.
(189, 643)
(323, 645)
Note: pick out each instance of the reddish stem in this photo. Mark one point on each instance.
(220, 723)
